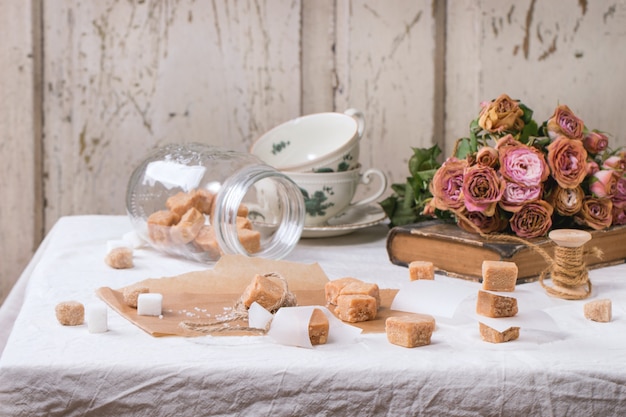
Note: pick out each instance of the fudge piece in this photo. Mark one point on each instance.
(203, 200)
(149, 304)
(362, 288)
(242, 210)
(181, 202)
(318, 327)
(598, 310)
(250, 240)
(421, 270)
(356, 308)
(130, 295)
(410, 331)
(188, 227)
(493, 305)
(333, 288)
(120, 258)
(70, 313)
(491, 335)
(243, 223)
(499, 275)
(159, 224)
(270, 291)
(207, 242)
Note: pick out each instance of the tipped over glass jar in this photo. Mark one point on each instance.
(200, 202)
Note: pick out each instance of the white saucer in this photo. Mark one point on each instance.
(357, 217)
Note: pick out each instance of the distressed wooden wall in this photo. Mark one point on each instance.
(88, 87)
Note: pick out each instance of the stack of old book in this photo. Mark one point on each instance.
(457, 253)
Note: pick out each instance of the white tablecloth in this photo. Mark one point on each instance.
(48, 369)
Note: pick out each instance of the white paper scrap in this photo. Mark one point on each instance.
(432, 297)
(172, 174)
(290, 326)
(533, 319)
(258, 317)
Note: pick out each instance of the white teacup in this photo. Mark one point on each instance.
(319, 142)
(328, 194)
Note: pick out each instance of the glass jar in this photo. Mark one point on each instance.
(200, 202)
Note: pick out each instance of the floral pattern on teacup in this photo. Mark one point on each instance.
(315, 204)
(278, 147)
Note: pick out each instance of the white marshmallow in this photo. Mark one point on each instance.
(149, 304)
(97, 318)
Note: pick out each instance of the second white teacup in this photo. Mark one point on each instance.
(328, 194)
(319, 142)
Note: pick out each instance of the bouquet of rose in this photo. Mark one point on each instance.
(511, 175)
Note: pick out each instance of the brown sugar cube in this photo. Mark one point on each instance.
(188, 227)
(242, 211)
(421, 270)
(333, 288)
(70, 313)
(243, 223)
(203, 200)
(362, 288)
(493, 305)
(131, 294)
(159, 224)
(410, 331)
(181, 202)
(120, 258)
(491, 335)
(266, 290)
(318, 327)
(499, 275)
(207, 242)
(356, 308)
(250, 240)
(598, 310)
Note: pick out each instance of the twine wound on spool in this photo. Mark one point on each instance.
(569, 274)
(240, 312)
(567, 269)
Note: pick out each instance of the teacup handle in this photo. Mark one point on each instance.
(366, 178)
(360, 120)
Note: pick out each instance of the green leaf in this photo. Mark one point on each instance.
(527, 117)
(424, 158)
(465, 147)
(399, 189)
(530, 129)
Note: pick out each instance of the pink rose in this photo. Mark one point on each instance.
(501, 115)
(619, 198)
(618, 215)
(487, 156)
(614, 162)
(516, 195)
(596, 213)
(567, 159)
(595, 142)
(523, 165)
(603, 183)
(564, 122)
(480, 222)
(507, 140)
(592, 167)
(533, 219)
(482, 189)
(567, 201)
(447, 184)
